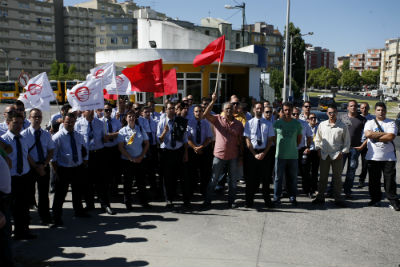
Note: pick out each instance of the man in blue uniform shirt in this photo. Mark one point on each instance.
(69, 156)
(41, 149)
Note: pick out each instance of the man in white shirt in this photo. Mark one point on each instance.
(331, 141)
(381, 157)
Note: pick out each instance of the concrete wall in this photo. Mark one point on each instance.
(254, 82)
(168, 35)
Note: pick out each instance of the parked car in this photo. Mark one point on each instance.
(388, 98)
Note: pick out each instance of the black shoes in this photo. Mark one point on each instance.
(318, 201)
(24, 236)
(82, 214)
(340, 204)
(108, 210)
(395, 205)
(374, 203)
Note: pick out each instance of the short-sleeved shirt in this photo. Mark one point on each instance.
(82, 126)
(227, 138)
(150, 126)
(166, 144)
(10, 139)
(205, 131)
(306, 133)
(381, 151)
(266, 130)
(356, 127)
(45, 140)
(5, 177)
(134, 149)
(286, 138)
(63, 153)
(116, 126)
(3, 128)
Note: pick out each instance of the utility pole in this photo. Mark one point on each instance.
(285, 70)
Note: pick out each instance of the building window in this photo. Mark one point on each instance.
(102, 28)
(102, 41)
(207, 32)
(114, 40)
(113, 27)
(125, 27)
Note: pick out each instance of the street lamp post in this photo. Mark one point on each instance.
(285, 86)
(243, 7)
(6, 64)
(291, 65)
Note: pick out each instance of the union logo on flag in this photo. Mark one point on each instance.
(99, 74)
(35, 89)
(82, 94)
(120, 81)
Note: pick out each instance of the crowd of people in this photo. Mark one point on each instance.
(186, 149)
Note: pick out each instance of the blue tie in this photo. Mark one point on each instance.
(90, 134)
(198, 133)
(39, 147)
(150, 134)
(73, 147)
(258, 133)
(20, 163)
(110, 128)
(173, 141)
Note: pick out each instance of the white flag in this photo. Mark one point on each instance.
(41, 104)
(39, 92)
(86, 96)
(123, 86)
(105, 72)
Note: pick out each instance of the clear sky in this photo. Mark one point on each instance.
(342, 26)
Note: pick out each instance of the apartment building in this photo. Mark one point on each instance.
(79, 38)
(373, 59)
(341, 60)
(390, 67)
(27, 39)
(357, 62)
(317, 57)
(116, 33)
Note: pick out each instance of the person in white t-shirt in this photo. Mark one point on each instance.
(381, 157)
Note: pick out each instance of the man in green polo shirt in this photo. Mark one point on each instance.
(288, 134)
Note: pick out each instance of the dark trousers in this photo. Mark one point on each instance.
(257, 172)
(132, 171)
(112, 169)
(364, 165)
(200, 166)
(172, 161)
(270, 164)
(97, 179)
(151, 164)
(309, 171)
(6, 254)
(375, 170)
(43, 183)
(20, 190)
(68, 176)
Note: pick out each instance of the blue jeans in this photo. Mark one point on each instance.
(287, 168)
(233, 176)
(352, 164)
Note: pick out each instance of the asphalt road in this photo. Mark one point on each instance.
(286, 236)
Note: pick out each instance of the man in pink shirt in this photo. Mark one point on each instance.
(228, 150)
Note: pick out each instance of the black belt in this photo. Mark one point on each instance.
(96, 150)
(259, 150)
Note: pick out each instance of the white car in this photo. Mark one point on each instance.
(388, 98)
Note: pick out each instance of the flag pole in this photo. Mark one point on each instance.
(216, 84)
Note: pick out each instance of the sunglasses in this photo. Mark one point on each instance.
(108, 110)
(136, 108)
(267, 112)
(312, 118)
(295, 114)
(307, 106)
(331, 113)
(235, 103)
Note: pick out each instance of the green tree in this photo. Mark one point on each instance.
(54, 68)
(62, 71)
(350, 78)
(298, 48)
(370, 77)
(71, 75)
(276, 81)
(346, 65)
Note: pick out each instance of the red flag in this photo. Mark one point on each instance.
(146, 77)
(170, 83)
(215, 51)
(109, 96)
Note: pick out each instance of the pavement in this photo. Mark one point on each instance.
(305, 235)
